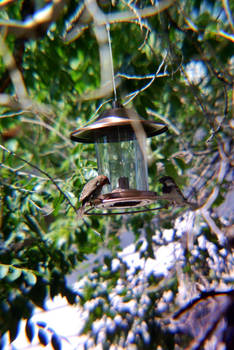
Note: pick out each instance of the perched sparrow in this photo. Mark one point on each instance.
(173, 193)
(91, 191)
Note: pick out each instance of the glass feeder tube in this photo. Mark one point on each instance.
(121, 159)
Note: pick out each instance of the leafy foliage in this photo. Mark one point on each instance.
(175, 66)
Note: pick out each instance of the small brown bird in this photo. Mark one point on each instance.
(171, 190)
(91, 191)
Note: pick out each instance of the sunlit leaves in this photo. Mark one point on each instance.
(14, 273)
(30, 278)
(129, 309)
(43, 333)
(3, 270)
(41, 239)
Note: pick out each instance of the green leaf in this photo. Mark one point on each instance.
(38, 292)
(56, 342)
(14, 328)
(43, 337)
(33, 224)
(30, 278)
(57, 204)
(203, 20)
(30, 330)
(181, 164)
(13, 274)
(3, 270)
(170, 169)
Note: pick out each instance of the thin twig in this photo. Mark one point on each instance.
(11, 115)
(224, 165)
(135, 11)
(132, 95)
(141, 77)
(225, 113)
(203, 296)
(148, 31)
(197, 98)
(126, 16)
(22, 173)
(16, 188)
(228, 13)
(22, 101)
(46, 126)
(42, 172)
(165, 120)
(111, 18)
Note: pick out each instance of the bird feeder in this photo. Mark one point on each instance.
(119, 135)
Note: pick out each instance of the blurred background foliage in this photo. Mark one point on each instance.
(43, 172)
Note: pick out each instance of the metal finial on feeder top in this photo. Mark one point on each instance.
(117, 123)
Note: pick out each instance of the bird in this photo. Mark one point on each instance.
(91, 191)
(173, 193)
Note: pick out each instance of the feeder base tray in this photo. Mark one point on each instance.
(125, 199)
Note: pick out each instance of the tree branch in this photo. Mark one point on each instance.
(42, 172)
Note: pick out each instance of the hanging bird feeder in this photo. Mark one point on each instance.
(119, 135)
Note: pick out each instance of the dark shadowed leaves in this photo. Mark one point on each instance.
(56, 342)
(30, 330)
(43, 337)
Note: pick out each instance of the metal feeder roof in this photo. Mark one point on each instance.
(117, 124)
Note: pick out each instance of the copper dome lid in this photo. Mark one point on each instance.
(116, 124)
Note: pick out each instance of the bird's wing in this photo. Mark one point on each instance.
(88, 188)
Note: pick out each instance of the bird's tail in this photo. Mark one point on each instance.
(80, 212)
